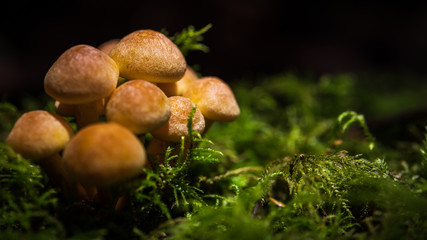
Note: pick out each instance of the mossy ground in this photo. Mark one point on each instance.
(289, 169)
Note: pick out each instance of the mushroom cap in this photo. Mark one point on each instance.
(82, 74)
(148, 55)
(177, 88)
(138, 105)
(39, 134)
(177, 124)
(214, 98)
(108, 45)
(103, 154)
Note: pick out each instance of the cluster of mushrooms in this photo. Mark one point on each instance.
(157, 97)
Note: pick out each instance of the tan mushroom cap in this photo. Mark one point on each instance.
(108, 45)
(82, 74)
(138, 105)
(39, 134)
(177, 88)
(149, 55)
(102, 154)
(177, 125)
(214, 98)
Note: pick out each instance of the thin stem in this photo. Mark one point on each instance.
(87, 114)
(56, 173)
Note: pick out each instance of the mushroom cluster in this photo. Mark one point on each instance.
(157, 97)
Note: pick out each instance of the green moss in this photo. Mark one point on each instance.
(190, 39)
(27, 203)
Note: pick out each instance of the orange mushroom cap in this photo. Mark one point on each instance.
(82, 74)
(214, 98)
(108, 45)
(177, 127)
(178, 88)
(39, 134)
(139, 106)
(148, 55)
(103, 154)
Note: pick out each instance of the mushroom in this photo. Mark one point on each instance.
(40, 136)
(108, 45)
(82, 76)
(178, 88)
(149, 55)
(139, 106)
(176, 127)
(215, 100)
(65, 110)
(69, 110)
(103, 154)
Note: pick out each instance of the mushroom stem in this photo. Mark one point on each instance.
(87, 113)
(105, 197)
(87, 192)
(157, 148)
(55, 172)
(121, 203)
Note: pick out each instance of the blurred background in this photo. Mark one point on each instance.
(249, 38)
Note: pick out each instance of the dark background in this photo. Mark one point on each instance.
(249, 38)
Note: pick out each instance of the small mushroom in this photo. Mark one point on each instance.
(178, 88)
(139, 106)
(148, 55)
(69, 110)
(103, 154)
(215, 100)
(176, 127)
(108, 45)
(82, 76)
(65, 110)
(40, 136)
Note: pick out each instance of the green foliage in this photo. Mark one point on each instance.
(327, 176)
(167, 185)
(189, 39)
(322, 193)
(283, 115)
(317, 197)
(8, 115)
(347, 118)
(26, 203)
